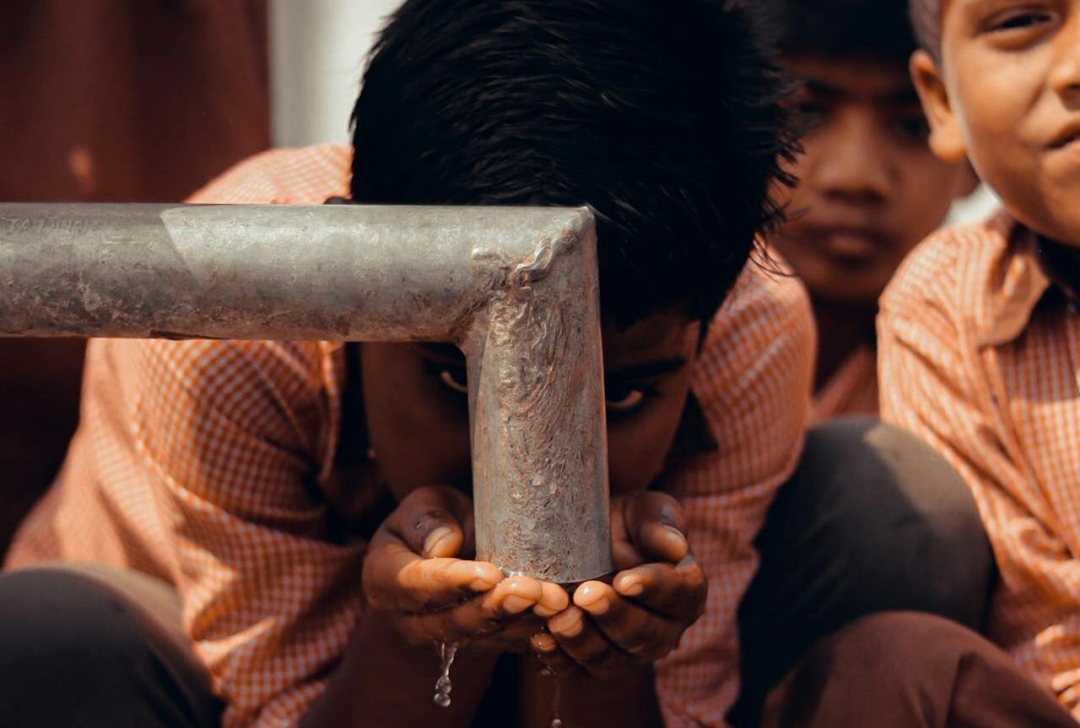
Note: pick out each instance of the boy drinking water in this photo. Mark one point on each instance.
(868, 187)
(979, 332)
(279, 533)
(308, 503)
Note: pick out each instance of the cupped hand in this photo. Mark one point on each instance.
(657, 593)
(419, 578)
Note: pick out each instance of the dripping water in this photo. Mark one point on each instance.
(443, 686)
(556, 705)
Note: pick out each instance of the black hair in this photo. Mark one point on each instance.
(839, 28)
(663, 115)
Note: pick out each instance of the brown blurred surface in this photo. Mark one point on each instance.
(110, 100)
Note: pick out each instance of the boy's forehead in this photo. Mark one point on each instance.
(868, 79)
(666, 335)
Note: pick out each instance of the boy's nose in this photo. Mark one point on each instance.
(852, 161)
(1064, 77)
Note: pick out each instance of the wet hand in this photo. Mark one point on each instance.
(657, 593)
(418, 576)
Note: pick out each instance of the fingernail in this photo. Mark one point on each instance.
(588, 593)
(482, 585)
(543, 642)
(436, 538)
(630, 587)
(569, 624)
(516, 605)
(673, 531)
(541, 611)
(600, 606)
(586, 598)
(667, 517)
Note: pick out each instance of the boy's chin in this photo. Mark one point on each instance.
(1061, 226)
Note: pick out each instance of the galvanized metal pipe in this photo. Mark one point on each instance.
(515, 288)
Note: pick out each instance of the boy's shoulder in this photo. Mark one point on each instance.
(962, 272)
(768, 285)
(300, 176)
(767, 300)
(765, 324)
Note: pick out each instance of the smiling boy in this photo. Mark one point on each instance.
(868, 187)
(979, 332)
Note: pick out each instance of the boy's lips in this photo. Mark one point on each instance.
(852, 244)
(855, 243)
(1066, 136)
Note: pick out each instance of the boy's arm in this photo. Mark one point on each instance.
(232, 436)
(936, 384)
(753, 383)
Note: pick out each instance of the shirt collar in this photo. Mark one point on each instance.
(1016, 284)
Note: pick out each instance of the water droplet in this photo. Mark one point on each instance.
(556, 705)
(443, 686)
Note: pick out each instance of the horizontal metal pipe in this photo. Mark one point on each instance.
(335, 272)
(516, 288)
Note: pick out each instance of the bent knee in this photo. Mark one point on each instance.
(66, 627)
(906, 514)
(910, 637)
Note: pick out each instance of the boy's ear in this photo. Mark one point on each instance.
(946, 137)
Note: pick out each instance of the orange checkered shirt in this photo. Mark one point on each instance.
(195, 462)
(979, 355)
(852, 390)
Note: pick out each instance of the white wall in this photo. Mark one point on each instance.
(317, 50)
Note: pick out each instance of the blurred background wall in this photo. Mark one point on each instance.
(316, 59)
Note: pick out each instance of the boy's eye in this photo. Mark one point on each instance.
(623, 399)
(810, 113)
(1017, 21)
(620, 399)
(454, 379)
(913, 128)
(807, 107)
(1020, 20)
(627, 403)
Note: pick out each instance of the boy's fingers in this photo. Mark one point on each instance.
(633, 628)
(624, 554)
(677, 592)
(654, 524)
(584, 644)
(431, 521)
(553, 600)
(437, 582)
(397, 579)
(506, 609)
(552, 659)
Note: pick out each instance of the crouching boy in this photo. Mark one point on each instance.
(979, 333)
(308, 503)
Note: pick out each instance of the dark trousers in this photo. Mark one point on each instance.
(909, 670)
(872, 522)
